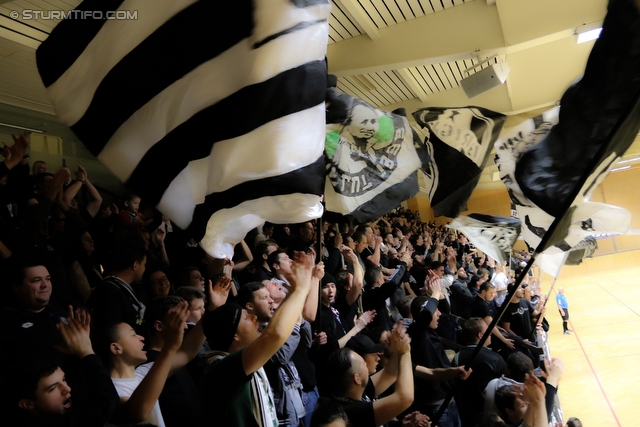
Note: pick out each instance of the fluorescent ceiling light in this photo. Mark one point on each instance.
(589, 35)
(588, 32)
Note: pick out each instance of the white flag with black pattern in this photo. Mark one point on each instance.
(493, 235)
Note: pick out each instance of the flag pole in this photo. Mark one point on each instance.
(625, 121)
(317, 323)
(541, 317)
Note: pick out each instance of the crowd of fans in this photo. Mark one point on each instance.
(115, 316)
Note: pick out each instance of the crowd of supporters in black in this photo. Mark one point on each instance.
(113, 315)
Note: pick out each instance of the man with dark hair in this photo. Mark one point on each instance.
(114, 300)
(486, 366)
(235, 380)
(518, 365)
(350, 379)
(484, 308)
(377, 292)
(256, 299)
(461, 296)
(29, 320)
(259, 266)
(139, 382)
(280, 264)
(521, 317)
(41, 393)
(179, 400)
(525, 405)
(371, 253)
(304, 238)
(427, 350)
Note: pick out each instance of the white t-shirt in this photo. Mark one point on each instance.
(126, 386)
(501, 282)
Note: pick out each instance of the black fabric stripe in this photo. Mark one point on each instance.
(298, 27)
(306, 180)
(164, 57)
(69, 39)
(388, 200)
(244, 111)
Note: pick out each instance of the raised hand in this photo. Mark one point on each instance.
(365, 318)
(318, 271)
(219, 292)
(337, 240)
(301, 270)
(174, 324)
(81, 174)
(399, 341)
(57, 183)
(432, 285)
(16, 152)
(349, 256)
(533, 390)
(160, 235)
(75, 333)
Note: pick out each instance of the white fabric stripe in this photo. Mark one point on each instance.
(72, 93)
(268, 151)
(229, 226)
(259, 154)
(237, 67)
(274, 16)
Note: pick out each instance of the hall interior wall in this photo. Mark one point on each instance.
(621, 188)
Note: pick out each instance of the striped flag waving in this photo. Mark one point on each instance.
(221, 126)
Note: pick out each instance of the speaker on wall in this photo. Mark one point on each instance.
(485, 79)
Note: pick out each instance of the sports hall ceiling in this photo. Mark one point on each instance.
(390, 53)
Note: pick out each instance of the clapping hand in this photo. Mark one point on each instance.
(75, 333)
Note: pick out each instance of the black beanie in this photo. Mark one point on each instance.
(327, 278)
(220, 326)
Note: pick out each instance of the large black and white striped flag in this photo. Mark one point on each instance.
(219, 124)
(551, 164)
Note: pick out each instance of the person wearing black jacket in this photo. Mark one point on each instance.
(427, 350)
(376, 292)
(41, 394)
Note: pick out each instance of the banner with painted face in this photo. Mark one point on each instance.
(372, 158)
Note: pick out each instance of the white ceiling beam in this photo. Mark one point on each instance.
(19, 38)
(20, 28)
(410, 81)
(361, 18)
(483, 53)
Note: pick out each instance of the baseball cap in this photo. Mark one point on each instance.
(362, 345)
